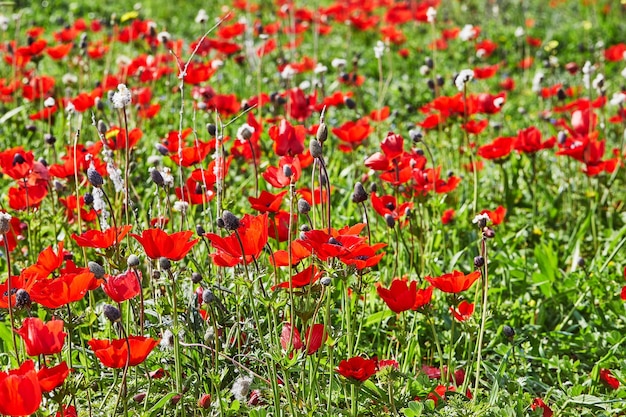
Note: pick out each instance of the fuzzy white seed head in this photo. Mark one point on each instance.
(463, 78)
(122, 97)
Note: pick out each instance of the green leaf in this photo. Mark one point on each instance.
(415, 409)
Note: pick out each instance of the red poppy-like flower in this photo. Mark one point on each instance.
(387, 204)
(361, 255)
(114, 353)
(42, 338)
(352, 133)
(47, 262)
(447, 216)
(607, 377)
(538, 403)
(463, 312)
(423, 297)
(475, 126)
(123, 286)
(303, 278)
(70, 287)
(276, 176)
(50, 378)
(400, 296)
(87, 214)
(357, 368)
(454, 282)
(16, 162)
(101, 240)
(267, 202)
(315, 337)
(253, 232)
(20, 391)
(529, 141)
(160, 244)
(288, 139)
(496, 216)
(499, 148)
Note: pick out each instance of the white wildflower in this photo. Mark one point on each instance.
(69, 79)
(338, 63)
(519, 32)
(498, 102)
(320, 69)
(463, 78)
(168, 178)
(537, 80)
(598, 82)
(241, 387)
(122, 97)
(5, 223)
(115, 175)
(288, 72)
(468, 32)
(164, 37)
(4, 23)
(379, 49)
(69, 109)
(618, 99)
(217, 63)
(431, 14)
(202, 17)
(305, 85)
(49, 102)
(180, 206)
(424, 70)
(481, 218)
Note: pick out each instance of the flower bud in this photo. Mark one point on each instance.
(156, 177)
(94, 177)
(96, 269)
(359, 195)
(508, 331)
(322, 133)
(287, 171)
(391, 222)
(5, 223)
(112, 313)
(315, 147)
(212, 129)
(132, 261)
(303, 206)
(88, 199)
(22, 298)
(200, 230)
(479, 261)
(196, 277)
(164, 263)
(102, 127)
(208, 297)
(325, 281)
(231, 222)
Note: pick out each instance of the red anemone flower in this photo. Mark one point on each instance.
(538, 403)
(357, 368)
(42, 338)
(303, 278)
(607, 377)
(463, 312)
(20, 390)
(529, 141)
(267, 202)
(496, 216)
(114, 353)
(101, 240)
(123, 286)
(315, 337)
(253, 232)
(288, 139)
(159, 244)
(447, 216)
(400, 296)
(70, 287)
(454, 282)
(50, 378)
(500, 148)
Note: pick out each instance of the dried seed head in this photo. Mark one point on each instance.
(479, 261)
(200, 230)
(132, 261)
(322, 132)
(391, 222)
(5, 223)
(416, 135)
(208, 297)
(508, 331)
(94, 177)
(220, 223)
(22, 298)
(489, 233)
(325, 281)
(162, 149)
(102, 127)
(156, 274)
(156, 177)
(359, 195)
(212, 129)
(287, 171)
(196, 277)
(112, 313)
(138, 398)
(373, 187)
(88, 199)
(351, 104)
(315, 147)
(303, 206)
(164, 263)
(231, 222)
(49, 139)
(96, 269)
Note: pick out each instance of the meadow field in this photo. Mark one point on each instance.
(313, 208)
